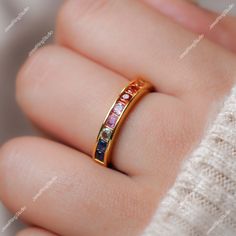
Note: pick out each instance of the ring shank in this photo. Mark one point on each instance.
(111, 126)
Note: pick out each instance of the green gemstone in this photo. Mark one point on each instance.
(106, 134)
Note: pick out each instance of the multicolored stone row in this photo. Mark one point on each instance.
(107, 130)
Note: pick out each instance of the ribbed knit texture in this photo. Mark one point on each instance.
(203, 200)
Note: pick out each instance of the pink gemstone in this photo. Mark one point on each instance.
(119, 107)
(126, 97)
(132, 89)
(111, 121)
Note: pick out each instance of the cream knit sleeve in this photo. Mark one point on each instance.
(203, 200)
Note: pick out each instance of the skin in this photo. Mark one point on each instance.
(67, 88)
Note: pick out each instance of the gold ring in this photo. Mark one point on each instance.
(128, 97)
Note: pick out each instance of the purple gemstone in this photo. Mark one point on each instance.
(111, 121)
(101, 149)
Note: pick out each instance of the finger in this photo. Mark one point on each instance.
(65, 192)
(133, 39)
(69, 96)
(33, 231)
(199, 20)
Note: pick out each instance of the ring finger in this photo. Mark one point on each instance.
(78, 93)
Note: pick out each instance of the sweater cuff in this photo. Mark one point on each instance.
(203, 198)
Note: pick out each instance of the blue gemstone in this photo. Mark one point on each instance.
(101, 149)
(100, 156)
(102, 145)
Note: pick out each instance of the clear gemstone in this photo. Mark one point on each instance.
(119, 107)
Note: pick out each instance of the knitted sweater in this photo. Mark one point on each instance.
(202, 201)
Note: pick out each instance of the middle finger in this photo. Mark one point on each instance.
(134, 39)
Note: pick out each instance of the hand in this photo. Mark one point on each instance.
(67, 89)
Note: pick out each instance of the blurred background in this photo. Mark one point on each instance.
(25, 25)
(16, 42)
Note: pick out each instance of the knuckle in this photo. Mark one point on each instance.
(78, 10)
(13, 156)
(8, 154)
(219, 77)
(37, 60)
(8, 148)
(31, 73)
(12, 148)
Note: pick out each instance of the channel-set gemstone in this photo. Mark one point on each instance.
(106, 134)
(111, 120)
(132, 89)
(101, 149)
(139, 83)
(126, 97)
(117, 114)
(119, 107)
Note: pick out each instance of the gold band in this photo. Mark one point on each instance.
(117, 114)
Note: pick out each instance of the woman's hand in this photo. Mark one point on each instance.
(67, 89)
